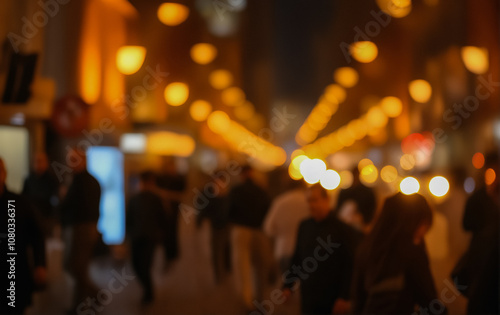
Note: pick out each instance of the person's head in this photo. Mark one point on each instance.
(78, 160)
(147, 180)
(403, 221)
(40, 163)
(3, 174)
(319, 202)
(246, 172)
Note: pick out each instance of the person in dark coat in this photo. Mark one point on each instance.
(23, 250)
(392, 273)
(79, 215)
(145, 217)
(216, 212)
(323, 258)
(41, 188)
(250, 248)
(480, 273)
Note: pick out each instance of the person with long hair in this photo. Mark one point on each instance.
(392, 274)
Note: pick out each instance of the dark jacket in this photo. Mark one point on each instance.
(248, 205)
(81, 203)
(322, 262)
(394, 285)
(41, 189)
(145, 217)
(29, 247)
(480, 266)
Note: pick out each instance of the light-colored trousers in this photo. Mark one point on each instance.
(251, 262)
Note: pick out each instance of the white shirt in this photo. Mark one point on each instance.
(283, 219)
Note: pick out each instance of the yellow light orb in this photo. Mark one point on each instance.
(296, 161)
(172, 14)
(409, 186)
(369, 174)
(407, 162)
(345, 138)
(233, 96)
(327, 108)
(364, 51)
(439, 186)
(129, 59)
(176, 93)
(376, 117)
(389, 174)
(294, 173)
(312, 170)
(334, 93)
(219, 122)
(330, 180)
(392, 106)
(346, 76)
(220, 79)
(475, 59)
(203, 53)
(296, 153)
(395, 8)
(358, 128)
(346, 179)
(200, 110)
(420, 91)
(363, 163)
(244, 112)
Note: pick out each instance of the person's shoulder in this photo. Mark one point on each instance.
(307, 222)
(346, 229)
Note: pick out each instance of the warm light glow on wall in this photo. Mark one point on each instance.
(364, 51)
(439, 186)
(420, 91)
(172, 14)
(220, 79)
(218, 121)
(330, 180)
(409, 186)
(129, 59)
(90, 56)
(392, 106)
(169, 143)
(203, 53)
(176, 93)
(233, 96)
(200, 109)
(475, 59)
(346, 76)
